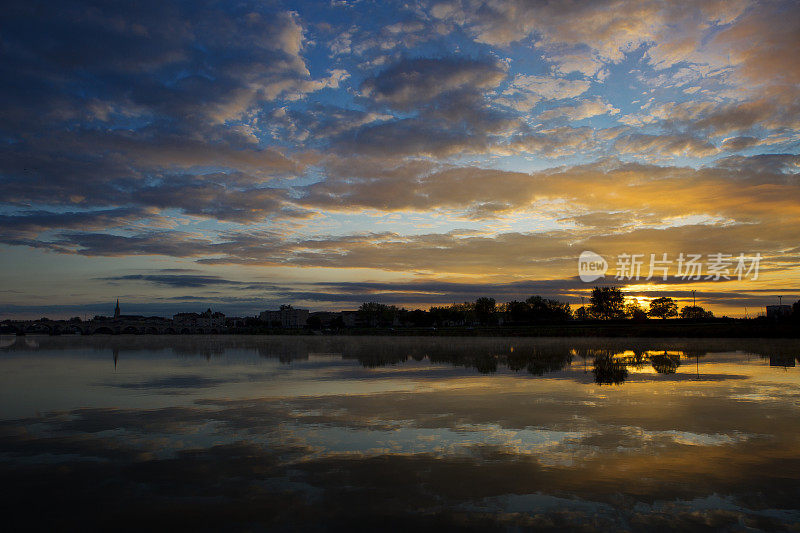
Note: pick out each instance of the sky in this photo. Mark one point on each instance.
(240, 155)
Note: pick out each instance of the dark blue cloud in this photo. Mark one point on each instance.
(175, 280)
(414, 83)
(107, 104)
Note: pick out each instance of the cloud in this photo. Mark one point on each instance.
(217, 196)
(556, 142)
(436, 108)
(585, 109)
(736, 144)
(778, 112)
(198, 62)
(621, 186)
(583, 36)
(456, 123)
(774, 111)
(431, 291)
(734, 203)
(175, 280)
(502, 254)
(60, 167)
(763, 43)
(32, 223)
(665, 145)
(527, 90)
(251, 134)
(170, 243)
(107, 102)
(412, 83)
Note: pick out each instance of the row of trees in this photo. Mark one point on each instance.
(484, 311)
(606, 303)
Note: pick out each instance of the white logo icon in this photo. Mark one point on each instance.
(591, 266)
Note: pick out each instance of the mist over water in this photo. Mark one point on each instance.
(320, 432)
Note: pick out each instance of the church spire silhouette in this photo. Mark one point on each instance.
(116, 310)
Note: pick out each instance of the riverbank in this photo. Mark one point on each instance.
(720, 329)
(649, 328)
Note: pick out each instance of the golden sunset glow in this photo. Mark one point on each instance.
(323, 154)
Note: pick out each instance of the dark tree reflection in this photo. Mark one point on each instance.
(610, 359)
(665, 363)
(545, 363)
(608, 371)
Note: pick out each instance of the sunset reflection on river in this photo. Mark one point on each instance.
(396, 432)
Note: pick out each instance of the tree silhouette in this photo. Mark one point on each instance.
(606, 303)
(378, 314)
(695, 312)
(634, 311)
(546, 309)
(518, 311)
(663, 308)
(484, 309)
(314, 323)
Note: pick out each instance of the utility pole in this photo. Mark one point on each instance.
(694, 302)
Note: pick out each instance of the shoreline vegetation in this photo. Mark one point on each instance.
(720, 328)
(677, 328)
(608, 314)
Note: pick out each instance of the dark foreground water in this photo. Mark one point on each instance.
(313, 433)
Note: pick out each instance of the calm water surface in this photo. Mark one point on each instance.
(395, 433)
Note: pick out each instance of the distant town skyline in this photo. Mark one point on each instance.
(64, 312)
(184, 155)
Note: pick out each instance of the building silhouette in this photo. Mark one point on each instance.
(286, 317)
